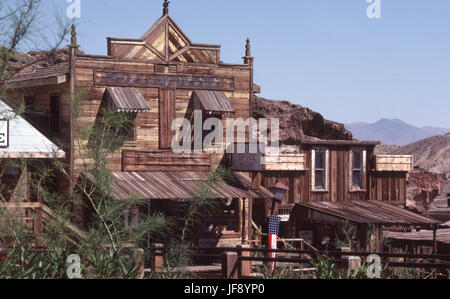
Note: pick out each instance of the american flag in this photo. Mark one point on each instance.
(274, 227)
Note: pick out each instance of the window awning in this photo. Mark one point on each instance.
(126, 99)
(213, 101)
(181, 186)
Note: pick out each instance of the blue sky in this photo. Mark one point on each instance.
(323, 54)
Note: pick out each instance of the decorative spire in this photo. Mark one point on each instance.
(74, 36)
(248, 49)
(248, 59)
(166, 7)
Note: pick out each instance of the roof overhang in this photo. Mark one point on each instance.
(361, 212)
(181, 186)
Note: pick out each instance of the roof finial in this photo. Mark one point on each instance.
(166, 7)
(73, 35)
(248, 48)
(248, 59)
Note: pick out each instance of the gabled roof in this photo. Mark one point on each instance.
(164, 42)
(24, 140)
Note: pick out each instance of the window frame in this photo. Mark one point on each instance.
(363, 169)
(314, 188)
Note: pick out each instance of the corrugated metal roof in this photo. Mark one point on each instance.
(369, 212)
(442, 236)
(127, 99)
(183, 185)
(214, 101)
(24, 140)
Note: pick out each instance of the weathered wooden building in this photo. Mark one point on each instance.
(163, 76)
(155, 79)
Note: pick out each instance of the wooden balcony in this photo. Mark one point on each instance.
(393, 163)
(36, 216)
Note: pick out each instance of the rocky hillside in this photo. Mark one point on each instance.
(431, 154)
(430, 181)
(297, 122)
(24, 62)
(422, 189)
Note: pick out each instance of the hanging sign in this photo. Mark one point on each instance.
(185, 81)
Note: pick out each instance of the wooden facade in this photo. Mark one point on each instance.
(174, 76)
(166, 69)
(386, 186)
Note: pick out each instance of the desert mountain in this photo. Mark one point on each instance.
(431, 182)
(431, 154)
(393, 131)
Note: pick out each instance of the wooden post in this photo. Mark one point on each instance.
(256, 180)
(139, 256)
(244, 216)
(157, 258)
(435, 243)
(230, 265)
(380, 238)
(343, 257)
(245, 268)
(352, 263)
(38, 226)
(344, 249)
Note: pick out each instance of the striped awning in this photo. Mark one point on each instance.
(213, 101)
(126, 99)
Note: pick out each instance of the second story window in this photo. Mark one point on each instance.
(319, 169)
(358, 168)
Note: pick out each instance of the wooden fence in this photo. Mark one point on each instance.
(236, 262)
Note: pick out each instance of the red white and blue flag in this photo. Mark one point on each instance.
(274, 227)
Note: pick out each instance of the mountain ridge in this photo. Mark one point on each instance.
(393, 131)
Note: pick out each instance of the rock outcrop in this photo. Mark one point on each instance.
(25, 62)
(298, 122)
(423, 188)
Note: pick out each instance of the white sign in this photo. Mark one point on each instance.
(4, 133)
(285, 218)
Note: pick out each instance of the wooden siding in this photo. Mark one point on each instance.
(389, 187)
(393, 163)
(164, 161)
(148, 123)
(284, 162)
